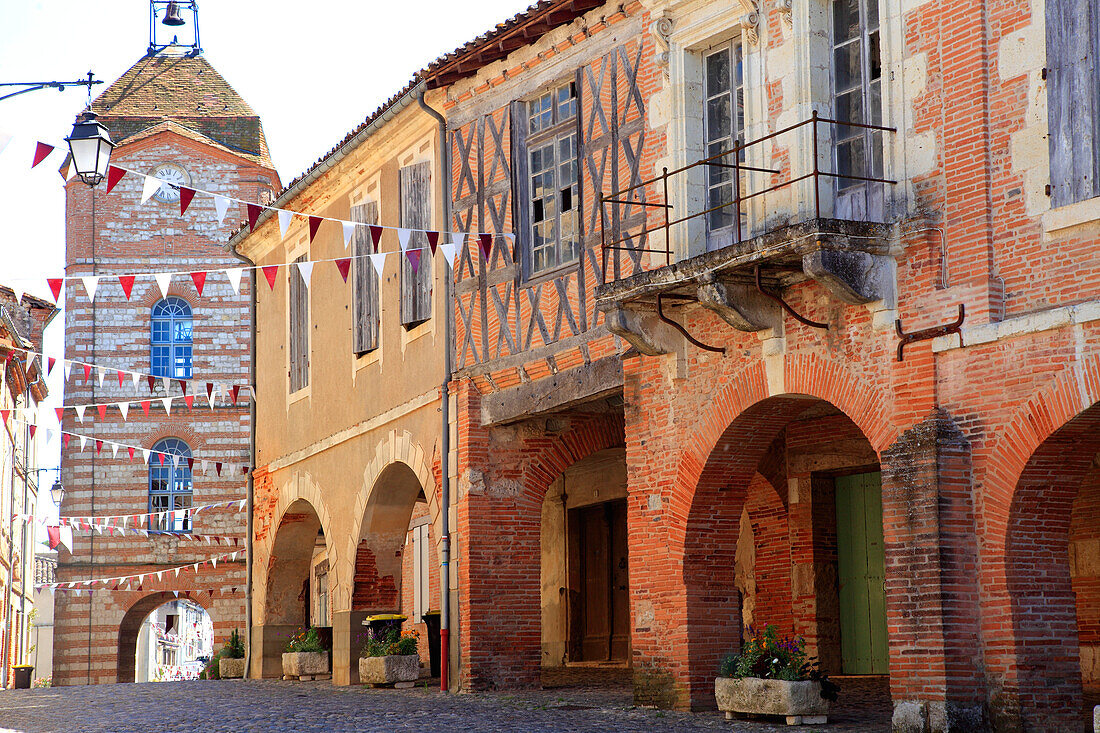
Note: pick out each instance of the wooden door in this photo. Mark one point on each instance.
(600, 612)
(861, 571)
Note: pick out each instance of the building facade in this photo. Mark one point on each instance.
(23, 318)
(175, 118)
(788, 317)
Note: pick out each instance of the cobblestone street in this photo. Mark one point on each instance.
(270, 705)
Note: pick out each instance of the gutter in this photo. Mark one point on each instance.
(445, 412)
(328, 163)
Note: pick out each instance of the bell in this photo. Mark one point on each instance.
(172, 16)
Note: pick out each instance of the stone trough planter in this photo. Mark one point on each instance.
(306, 665)
(400, 670)
(799, 702)
(230, 669)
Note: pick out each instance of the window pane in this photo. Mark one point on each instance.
(846, 65)
(851, 160)
(719, 117)
(717, 196)
(845, 20)
(718, 73)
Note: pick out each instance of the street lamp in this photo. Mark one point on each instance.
(90, 145)
(57, 491)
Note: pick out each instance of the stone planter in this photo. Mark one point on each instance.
(799, 702)
(307, 665)
(402, 670)
(230, 669)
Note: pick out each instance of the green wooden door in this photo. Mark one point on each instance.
(861, 570)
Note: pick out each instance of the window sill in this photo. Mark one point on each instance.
(366, 359)
(548, 275)
(298, 396)
(1072, 215)
(408, 335)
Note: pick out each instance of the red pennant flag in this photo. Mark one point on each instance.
(343, 264)
(98, 446)
(190, 463)
(114, 175)
(150, 379)
(121, 376)
(102, 410)
(54, 535)
(234, 392)
(314, 225)
(189, 399)
(130, 450)
(375, 235)
(183, 385)
(186, 194)
(60, 413)
(40, 152)
(414, 258)
(271, 272)
(433, 241)
(145, 406)
(4, 415)
(65, 440)
(218, 468)
(253, 214)
(55, 284)
(199, 278)
(161, 457)
(127, 282)
(209, 389)
(244, 469)
(33, 429)
(485, 244)
(87, 372)
(50, 361)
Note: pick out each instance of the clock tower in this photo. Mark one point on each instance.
(176, 118)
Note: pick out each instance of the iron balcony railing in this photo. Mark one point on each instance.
(628, 197)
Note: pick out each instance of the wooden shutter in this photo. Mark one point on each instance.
(299, 329)
(366, 305)
(416, 213)
(1073, 98)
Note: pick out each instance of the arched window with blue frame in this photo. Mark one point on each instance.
(171, 339)
(170, 486)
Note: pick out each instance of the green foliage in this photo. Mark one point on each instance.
(234, 648)
(766, 656)
(307, 640)
(43, 682)
(211, 671)
(388, 643)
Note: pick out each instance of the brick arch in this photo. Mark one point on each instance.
(584, 438)
(134, 617)
(397, 457)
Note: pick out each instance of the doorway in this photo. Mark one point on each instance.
(861, 574)
(599, 609)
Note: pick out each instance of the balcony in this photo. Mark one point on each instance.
(755, 227)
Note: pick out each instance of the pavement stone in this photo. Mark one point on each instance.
(274, 705)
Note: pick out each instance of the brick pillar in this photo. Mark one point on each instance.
(931, 580)
(347, 636)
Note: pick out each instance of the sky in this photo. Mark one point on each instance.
(311, 76)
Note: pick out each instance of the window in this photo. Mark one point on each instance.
(724, 126)
(857, 97)
(1073, 99)
(416, 214)
(421, 594)
(553, 192)
(299, 329)
(170, 486)
(171, 339)
(322, 599)
(366, 324)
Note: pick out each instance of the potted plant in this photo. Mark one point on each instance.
(773, 676)
(231, 658)
(305, 657)
(390, 658)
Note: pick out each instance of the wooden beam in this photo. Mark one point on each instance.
(554, 393)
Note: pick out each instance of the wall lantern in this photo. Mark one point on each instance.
(57, 491)
(90, 145)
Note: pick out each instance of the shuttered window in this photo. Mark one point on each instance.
(416, 213)
(365, 293)
(299, 329)
(1073, 99)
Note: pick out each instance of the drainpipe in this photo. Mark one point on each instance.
(251, 459)
(6, 647)
(445, 411)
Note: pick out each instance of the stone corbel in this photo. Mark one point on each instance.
(661, 29)
(741, 306)
(642, 330)
(750, 21)
(786, 12)
(853, 277)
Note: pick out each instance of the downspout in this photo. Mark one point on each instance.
(251, 459)
(445, 412)
(11, 573)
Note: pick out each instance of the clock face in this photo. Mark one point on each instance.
(173, 177)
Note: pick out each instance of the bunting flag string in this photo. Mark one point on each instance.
(55, 587)
(121, 520)
(139, 578)
(119, 530)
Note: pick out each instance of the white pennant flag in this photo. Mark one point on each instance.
(151, 186)
(212, 395)
(202, 467)
(83, 442)
(101, 373)
(449, 250)
(160, 575)
(114, 450)
(66, 537)
(234, 275)
(18, 293)
(91, 282)
(49, 435)
(349, 229)
(136, 378)
(306, 269)
(164, 279)
(379, 262)
(240, 505)
(221, 205)
(175, 462)
(284, 221)
(176, 593)
(214, 562)
(123, 407)
(403, 237)
(80, 412)
(71, 170)
(145, 455)
(68, 367)
(167, 402)
(124, 518)
(4, 140)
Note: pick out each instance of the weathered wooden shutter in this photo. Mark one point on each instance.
(365, 312)
(299, 329)
(416, 213)
(1073, 99)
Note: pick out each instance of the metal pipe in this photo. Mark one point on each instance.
(11, 560)
(679, 327)
(445, 413)
(791, 311)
